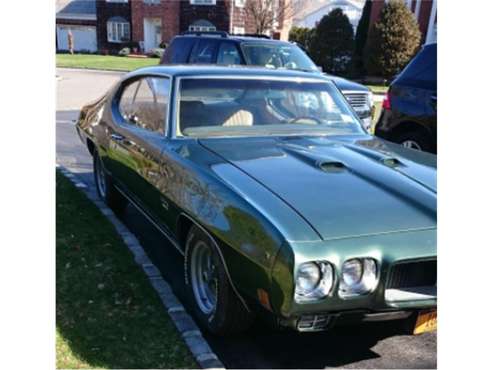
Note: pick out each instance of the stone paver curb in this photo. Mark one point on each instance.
(186, 326)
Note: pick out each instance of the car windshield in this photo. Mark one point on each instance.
(259, 107)
(277, 56)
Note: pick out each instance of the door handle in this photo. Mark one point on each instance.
(433, 98)
(117, 137)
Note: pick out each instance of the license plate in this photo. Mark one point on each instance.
(427, 321)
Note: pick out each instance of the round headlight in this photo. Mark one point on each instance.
(307, 278)
(352, 271)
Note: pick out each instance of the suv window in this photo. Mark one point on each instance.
(228, 54)
(204, 51)
(275, 55)
(179, 50)
(144, 103)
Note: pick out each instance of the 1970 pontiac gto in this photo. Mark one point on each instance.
(282, 205)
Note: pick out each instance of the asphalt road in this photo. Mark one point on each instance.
(367, 346)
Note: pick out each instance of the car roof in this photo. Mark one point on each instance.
(239, 38)
(184, 70)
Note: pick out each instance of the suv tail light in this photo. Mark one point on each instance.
(386, 101)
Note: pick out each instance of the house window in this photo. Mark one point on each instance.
(240, 3)
(202, 25)
(118, 30)
(152, 1)
(193, 28)
(203, 2)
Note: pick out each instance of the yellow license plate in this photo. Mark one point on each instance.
(427, 321)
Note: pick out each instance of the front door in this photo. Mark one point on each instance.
(152, 33)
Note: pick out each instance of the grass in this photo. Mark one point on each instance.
(378, 89)
(107, 313)
(103, 62)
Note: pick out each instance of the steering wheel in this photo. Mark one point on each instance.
(306, 119)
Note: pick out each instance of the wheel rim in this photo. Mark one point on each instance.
(203, 277)
(411, 144)
(100, 178)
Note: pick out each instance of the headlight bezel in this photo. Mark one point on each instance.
(366, 284)
(324, 286)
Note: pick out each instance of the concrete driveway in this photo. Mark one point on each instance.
(366, 346)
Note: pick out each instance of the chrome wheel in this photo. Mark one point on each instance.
(203, 277)
(411, 144)
(100, 177)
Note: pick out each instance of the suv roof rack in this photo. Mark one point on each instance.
(259, 35)
(206, 33)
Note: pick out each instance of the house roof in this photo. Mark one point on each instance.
(76, 9)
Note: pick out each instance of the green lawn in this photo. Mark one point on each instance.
(103, 62)
(107, 313)
(378, 89)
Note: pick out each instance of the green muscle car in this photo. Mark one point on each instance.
(282, 205)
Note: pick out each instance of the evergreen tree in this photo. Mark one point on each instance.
(333, 42)
(360, 39)
(392, 41)
(301, 35)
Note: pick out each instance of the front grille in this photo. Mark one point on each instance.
(412, 274)
(357, 100)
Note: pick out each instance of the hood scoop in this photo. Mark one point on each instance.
(391, 162)
(332, 166)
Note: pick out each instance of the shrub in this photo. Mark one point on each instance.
(301, 35)
(124, 52)
(392, 41)
(360, 40)
(332, 43)
(163, 45)
(133, 44)
(156, 53)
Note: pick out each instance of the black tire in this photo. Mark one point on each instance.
(229, 315)
(408, 324)
(416, 140)
(105, 188)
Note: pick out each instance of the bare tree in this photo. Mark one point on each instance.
(268, 14)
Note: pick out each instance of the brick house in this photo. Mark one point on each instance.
(156, 21)
(148, 23)
(77, 17)
(114, 24)
(425, 12)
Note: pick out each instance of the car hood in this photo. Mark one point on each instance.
(343, 186)
(346, 85)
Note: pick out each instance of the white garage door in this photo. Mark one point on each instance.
(84, 37)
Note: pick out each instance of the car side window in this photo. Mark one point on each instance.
(181, 50)
(149, 106)
(228, 54)
(127, 99)
(204, 52)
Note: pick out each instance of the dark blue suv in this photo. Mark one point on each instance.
(225, 49)
(409, 115)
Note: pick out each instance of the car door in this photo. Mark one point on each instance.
(141, 116)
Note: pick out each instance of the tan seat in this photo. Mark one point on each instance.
(240, 118)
